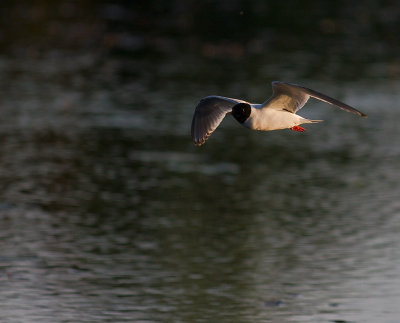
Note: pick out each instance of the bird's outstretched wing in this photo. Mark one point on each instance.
(209, 113)
(292, 97)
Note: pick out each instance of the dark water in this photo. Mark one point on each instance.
(109, 213)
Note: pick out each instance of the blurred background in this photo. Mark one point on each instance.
(109, 213)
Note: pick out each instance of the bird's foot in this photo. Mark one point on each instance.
(298, 128)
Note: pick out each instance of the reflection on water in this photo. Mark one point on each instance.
(104, 217)
(109, 213)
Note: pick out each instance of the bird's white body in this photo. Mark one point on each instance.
(278, 112)
(271, 119)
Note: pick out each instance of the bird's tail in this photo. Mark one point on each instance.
(314, 121)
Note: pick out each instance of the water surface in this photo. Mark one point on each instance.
(109, 213)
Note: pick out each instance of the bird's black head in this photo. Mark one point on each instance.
(241, 112)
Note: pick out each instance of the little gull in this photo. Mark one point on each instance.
(278, 112)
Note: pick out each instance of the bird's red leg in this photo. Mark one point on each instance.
(298, 128)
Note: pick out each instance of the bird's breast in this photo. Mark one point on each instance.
(271, 119)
